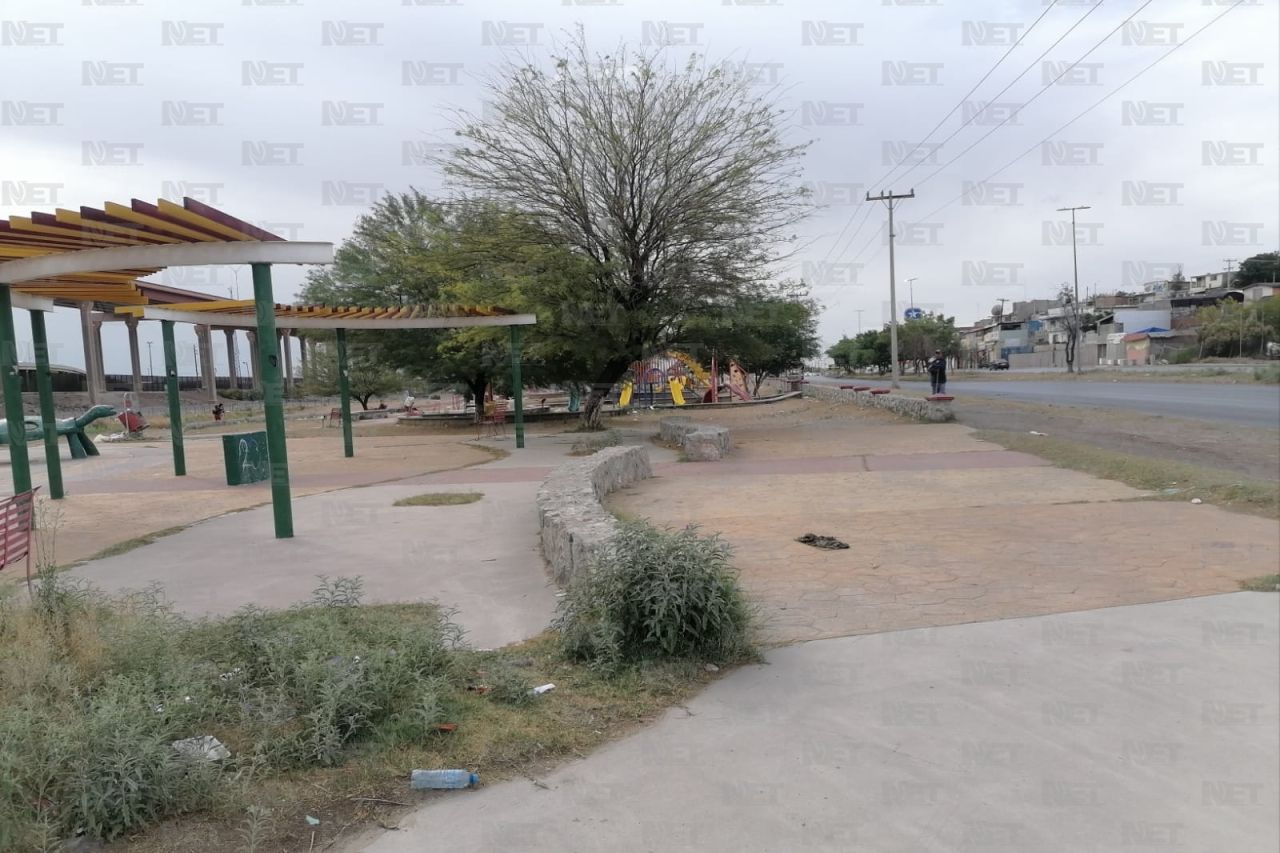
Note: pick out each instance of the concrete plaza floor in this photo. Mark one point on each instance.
(1128, 728)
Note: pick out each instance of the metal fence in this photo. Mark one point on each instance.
(124, 382)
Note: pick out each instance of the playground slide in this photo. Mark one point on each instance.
(738, 381)
(677, 391)
(624, 398)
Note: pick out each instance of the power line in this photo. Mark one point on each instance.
(1009, 85)
(1044, 89)
(965, 97)
(951, 112)
(1091, 107)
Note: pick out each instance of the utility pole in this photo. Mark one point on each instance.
(889, 198)
(858, 311)
(1229, 261)
(911, 292)
(151, 365)
(1075, 277)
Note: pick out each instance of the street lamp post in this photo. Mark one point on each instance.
(1075, 277)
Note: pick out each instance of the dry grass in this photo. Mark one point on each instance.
(440, 499)
(72, 646)
(498, 740)
(1266, 583)
(1165, 479)
(131, 544)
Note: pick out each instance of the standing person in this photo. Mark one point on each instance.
(938, 372)
(217, 412)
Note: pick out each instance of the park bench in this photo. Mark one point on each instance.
(17, 516)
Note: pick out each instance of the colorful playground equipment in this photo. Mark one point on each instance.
(682, 377)
(73, 428)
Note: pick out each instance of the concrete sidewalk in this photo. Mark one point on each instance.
(481, 559)
(1119, 729)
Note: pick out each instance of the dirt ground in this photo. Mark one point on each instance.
(1242, 450)
(942, 528)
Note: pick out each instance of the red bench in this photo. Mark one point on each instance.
(879, 390)
(17, 516)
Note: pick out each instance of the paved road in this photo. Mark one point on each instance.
(1247, 405)
(1127, 728)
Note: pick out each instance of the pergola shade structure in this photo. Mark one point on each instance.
(97, 255)
(340, 318)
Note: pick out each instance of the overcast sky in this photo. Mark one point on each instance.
(294, 114)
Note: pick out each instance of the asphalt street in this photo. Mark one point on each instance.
(1246, 405)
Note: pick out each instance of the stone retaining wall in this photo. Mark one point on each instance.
(700, 442)
(932, 411)
(573, 522)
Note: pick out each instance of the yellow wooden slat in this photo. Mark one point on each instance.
(179, 212)
(22, 223)
(211, 305)
(119, 211)
(72, 218)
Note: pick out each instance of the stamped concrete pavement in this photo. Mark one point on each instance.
(942, 528)
(1130, 728)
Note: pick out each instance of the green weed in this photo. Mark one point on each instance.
(655, 595)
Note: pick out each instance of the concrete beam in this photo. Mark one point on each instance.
(248, 321)
(166, 255)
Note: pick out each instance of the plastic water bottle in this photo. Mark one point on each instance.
(422, 780)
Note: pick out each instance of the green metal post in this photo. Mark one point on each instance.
(175, 402)
(44, 384)
(344, 395)
(517, 385)
(273, 399)
(20, 464)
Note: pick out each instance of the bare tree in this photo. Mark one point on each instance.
(675, 182)
(1071, 323)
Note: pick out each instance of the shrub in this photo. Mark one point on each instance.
(594, 441)
(656, 594)
(1186, 355)
(1269, 374)
(95, 690)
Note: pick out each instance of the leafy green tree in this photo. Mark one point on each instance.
(1259, 268)
(917, 339)
(673, 182)
(412, 250)
(867, 349)
(768, 336)
(1231, 328)
(366, 376)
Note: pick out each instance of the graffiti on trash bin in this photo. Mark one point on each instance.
(255, 466)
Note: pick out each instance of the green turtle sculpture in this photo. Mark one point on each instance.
(73, 428)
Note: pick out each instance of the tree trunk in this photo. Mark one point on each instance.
(476, 386)
(593, 405)
(364, 400)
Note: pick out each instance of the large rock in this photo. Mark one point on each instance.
(700, 442)
(575, 526)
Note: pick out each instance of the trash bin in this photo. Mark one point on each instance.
(245, 456)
